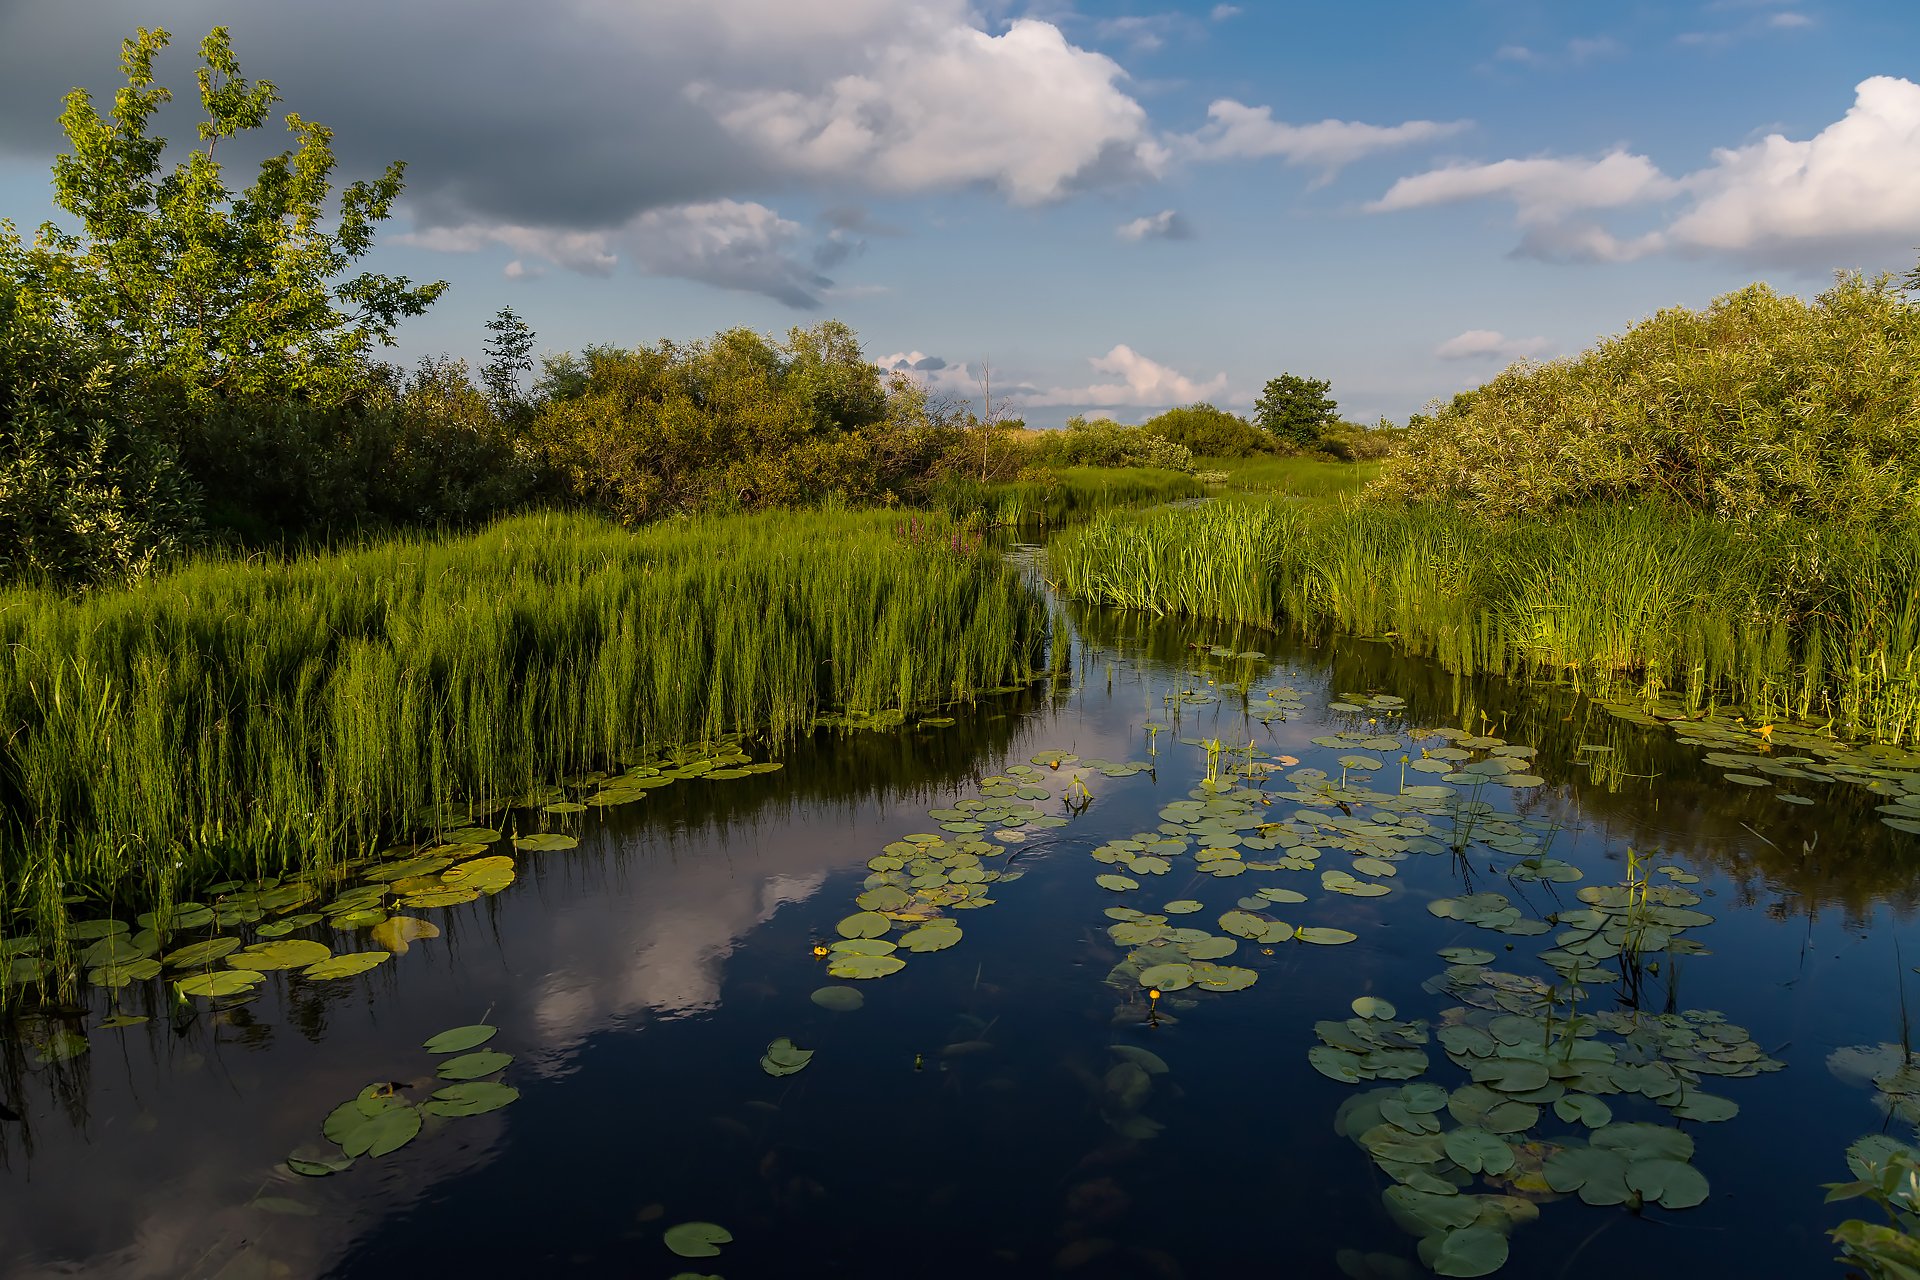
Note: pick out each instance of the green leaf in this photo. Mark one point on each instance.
(697, 1239)
(470, 1098)
(1470, 1251)
(461, 1039)
(471, 1066)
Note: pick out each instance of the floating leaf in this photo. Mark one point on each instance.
(1478, 1151)
(461, 1039)
(933, 937)
(471, 1066)
(1119, 884)
(350, 965)
(398, 933)
(860, 968)
(697, 1239)
(783, 1058)
(291, 953)
(470, 1098)
(1325, 937)
(314, 1160)
(229, 982)
(545, 842)
(839, 999)
(381, 1134)
(864, 924)
(1469, 1251)
(1673, 1183)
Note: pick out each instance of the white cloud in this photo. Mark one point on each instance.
(1849, 195)
(1789, 21)
(518, 270)
(1489, 344)
(1580, 49)
(1168, 224)
(731, 244)
(1240, 132)
(1024, 112)
(1541, 189)
(1221, 12)
(1141, 381)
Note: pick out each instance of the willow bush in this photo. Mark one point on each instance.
(1758, 407)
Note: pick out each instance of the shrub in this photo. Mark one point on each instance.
(1758, 406)
(1208, 432)
(1105, 443)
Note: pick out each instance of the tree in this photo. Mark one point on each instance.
(176, 276)
(1295, 410)
(509, 354)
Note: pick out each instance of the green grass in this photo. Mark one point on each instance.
(247, 719)
(1068, 494)
(1295, 477)
(1793, 622)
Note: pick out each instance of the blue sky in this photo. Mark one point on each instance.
(1121, 206)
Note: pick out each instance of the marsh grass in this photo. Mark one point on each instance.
(250, 719)
(1065, 495)
(1794, 621)
(1299, 477)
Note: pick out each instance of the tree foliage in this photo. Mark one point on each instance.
(1295, 410)
(1207, 432)
(1757, 407)
(173, 274)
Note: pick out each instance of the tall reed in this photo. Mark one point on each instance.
(1793, 620)
(250, 718)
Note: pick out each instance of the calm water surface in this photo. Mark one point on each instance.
(962, 1123)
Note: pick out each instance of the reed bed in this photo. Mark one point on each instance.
(1299, 477)
(246, 719)
(1066, 495)
(1790, 621)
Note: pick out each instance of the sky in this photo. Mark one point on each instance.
(1113, 207)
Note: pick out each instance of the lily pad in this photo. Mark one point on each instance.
(864, 924)
(839, 999)
(472, 1066)
(470, 1098)
(861, 968)
(461, 1039)
(229, 982)
(1325, 937)
(1373, 1007)
(1470, 1251)
(350, 965)
(784, 1058)
(545, 842)
(290, 953)
(398, 933)
(697, 1239)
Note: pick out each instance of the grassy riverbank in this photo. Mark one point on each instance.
(1063, 495)
(237, 718)
(1791, 620)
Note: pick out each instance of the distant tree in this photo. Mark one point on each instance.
(509, 354)
(177, 276)
(1295, 410)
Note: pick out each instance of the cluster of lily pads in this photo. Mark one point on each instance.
(915, 881)
(1778, 756)
(380, 1119)
(1533, 1054)
(221, 949)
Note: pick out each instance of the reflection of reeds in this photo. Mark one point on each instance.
(1790, 621)
(239, 719)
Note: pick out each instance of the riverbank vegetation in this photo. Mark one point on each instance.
(1718, 506)
(255, 718)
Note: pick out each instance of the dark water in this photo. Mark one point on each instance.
(638, 978)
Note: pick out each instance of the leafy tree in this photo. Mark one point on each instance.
(509, 354)
(177, 276)
(1209, 432)
(1295, 410)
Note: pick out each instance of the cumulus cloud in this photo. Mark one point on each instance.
(1240, 132)
(1849, 195)
(1140, 381)
(1168, 224)
(1489, 344)
(1024, 112)
(623, 110)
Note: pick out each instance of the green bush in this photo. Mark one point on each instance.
(1758, 406)
(1105, 443)
(1208, 432)
(735, 423)
(90, 491)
